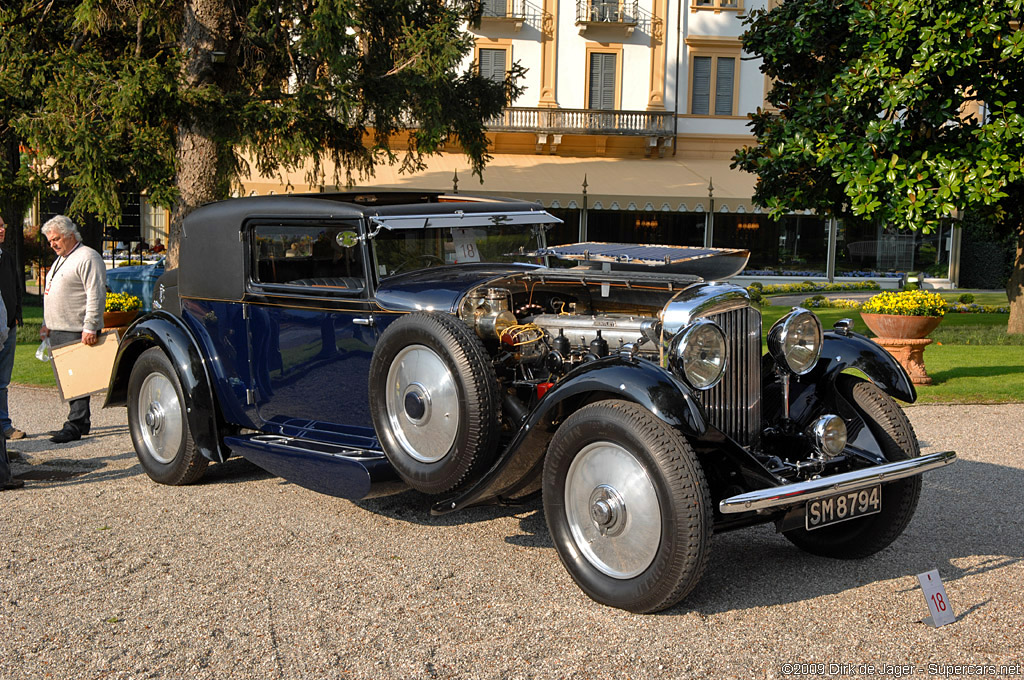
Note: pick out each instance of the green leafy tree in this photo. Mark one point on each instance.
(26, 27)
(875, 113)
(182, 98)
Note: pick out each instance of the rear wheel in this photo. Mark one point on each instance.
(157, 422)
(628, 507)
(867, 535)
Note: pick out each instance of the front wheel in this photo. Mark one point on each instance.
(157, 422)
(867, 535)
(627, 506)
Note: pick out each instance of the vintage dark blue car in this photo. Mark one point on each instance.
(360, 343)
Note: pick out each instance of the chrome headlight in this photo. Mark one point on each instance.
(795, 341)
(700, 354)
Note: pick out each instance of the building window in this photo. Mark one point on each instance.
(154, 222)
(716, 5)
(604, 10)
(492, 64)
(495, 8)
(602, 81)
(713, 80)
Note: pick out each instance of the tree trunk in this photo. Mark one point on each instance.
(12, 207)
(1015, 288)
(209, 38)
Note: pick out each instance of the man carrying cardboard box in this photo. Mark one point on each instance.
(73, 303)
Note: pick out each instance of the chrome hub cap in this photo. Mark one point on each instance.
(612, 509)
(160, 418)
(422, 404)
(608, 510)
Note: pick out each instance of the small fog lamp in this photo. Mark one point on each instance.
(829, 434)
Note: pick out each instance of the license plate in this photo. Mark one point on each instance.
(841, 507)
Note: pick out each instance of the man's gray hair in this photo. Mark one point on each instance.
(62, 225)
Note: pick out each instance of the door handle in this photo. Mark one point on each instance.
(368, 321)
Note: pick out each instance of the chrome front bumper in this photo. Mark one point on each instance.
(802, 492)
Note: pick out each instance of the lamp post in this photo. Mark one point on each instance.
(583, 214)
(709, 224)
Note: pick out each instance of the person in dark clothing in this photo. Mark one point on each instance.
(6, 480)
(11, 281)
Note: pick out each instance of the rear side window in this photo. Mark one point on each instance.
(324, 257)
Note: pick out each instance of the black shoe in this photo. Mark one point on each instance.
(64, 436)
(13, 484)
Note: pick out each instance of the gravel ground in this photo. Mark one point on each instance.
(104, 574)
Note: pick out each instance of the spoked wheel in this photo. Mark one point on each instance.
(628, 507)
(867, 535)
(434, 400)
(156, 419)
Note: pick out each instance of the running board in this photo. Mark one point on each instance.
(802, 492)
(331, 469)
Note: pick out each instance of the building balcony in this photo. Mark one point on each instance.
(549, 125)
(497, 13)
(583, 122)
(605, 14)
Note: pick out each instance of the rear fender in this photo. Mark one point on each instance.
(615, 377)
(160, 329)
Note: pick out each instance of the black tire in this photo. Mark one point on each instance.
(158, 424)
(434, 400)
(862, 537)
(646, 548)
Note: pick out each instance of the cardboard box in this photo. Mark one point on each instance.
(82, 370)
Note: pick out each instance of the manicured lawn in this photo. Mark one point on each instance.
(972, 360)
(973, 374)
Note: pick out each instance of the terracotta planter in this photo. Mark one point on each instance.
(117, 319)
(899, 326)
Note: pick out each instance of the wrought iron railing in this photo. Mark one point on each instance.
(583, 121)
(504, 8)
(607, 11)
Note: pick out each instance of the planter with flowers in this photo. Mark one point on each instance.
(902, 322)
(120, 310)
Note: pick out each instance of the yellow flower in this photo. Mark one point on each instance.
(122, 302)
(906, 303)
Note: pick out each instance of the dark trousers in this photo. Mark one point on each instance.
(5, 465)
(78, 413)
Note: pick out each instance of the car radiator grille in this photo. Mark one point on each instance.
(734, 404)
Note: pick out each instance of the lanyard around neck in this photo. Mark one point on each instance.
(56, 267)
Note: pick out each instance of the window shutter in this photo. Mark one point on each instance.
(700, 104)
(492, 64)
(495, 8)
(723, 86)
(602, 81)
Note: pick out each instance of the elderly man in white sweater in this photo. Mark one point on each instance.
(73, 303)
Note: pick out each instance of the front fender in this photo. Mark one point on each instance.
(840, 353)
(160, 329)
(614, 377)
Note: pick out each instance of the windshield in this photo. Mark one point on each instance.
(402, 250)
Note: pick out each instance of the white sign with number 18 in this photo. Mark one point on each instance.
(935, 596)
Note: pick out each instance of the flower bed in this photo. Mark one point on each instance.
(975, 308)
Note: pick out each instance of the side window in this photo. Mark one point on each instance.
(325, 257)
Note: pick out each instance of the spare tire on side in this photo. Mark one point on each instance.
(435, 401)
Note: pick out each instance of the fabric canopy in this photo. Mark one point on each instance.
(654, 184)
